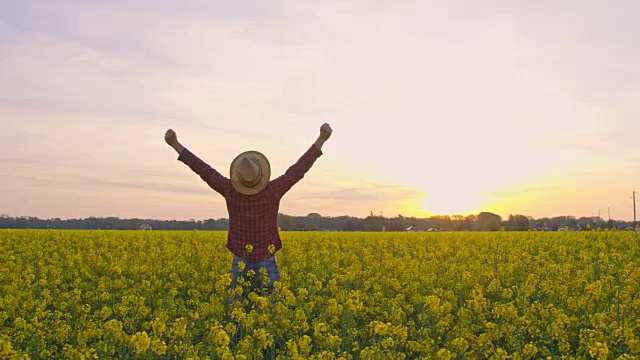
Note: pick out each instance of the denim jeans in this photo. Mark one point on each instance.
(255, 283)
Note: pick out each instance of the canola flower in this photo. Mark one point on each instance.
(107, 294)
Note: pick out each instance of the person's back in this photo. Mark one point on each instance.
(253, 220)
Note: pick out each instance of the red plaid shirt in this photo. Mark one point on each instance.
(253, 219)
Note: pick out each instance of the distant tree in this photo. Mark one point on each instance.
(484, 221)
(373, 222)
(469, 222)
(517, 223)
(285, 222)
(487, 221)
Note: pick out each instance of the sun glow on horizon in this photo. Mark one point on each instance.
(451, 203)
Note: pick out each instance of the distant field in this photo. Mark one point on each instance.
(150, 294)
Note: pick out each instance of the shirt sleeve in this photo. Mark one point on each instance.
(213, 178)
(296, 172)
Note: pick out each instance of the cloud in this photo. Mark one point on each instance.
(366, 194)
(80, 182)
(351, 198)
(19, 161)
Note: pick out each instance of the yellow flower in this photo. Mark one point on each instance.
(461, 344)
(158, 347)
(530, 350)
(241, 266)
(158, 326)
(179, 328)
(304, 345)
(248, 248)
(443, 354)
(231, 328)
(292, 347)
(222, 338)
(599, 350)
(263, 338)
(387, 342)
(271, 249)
(140, 342)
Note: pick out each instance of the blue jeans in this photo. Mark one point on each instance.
(255, 282)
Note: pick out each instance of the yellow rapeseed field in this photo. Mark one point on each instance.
(156, 294)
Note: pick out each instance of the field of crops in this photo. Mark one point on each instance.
(116, 294)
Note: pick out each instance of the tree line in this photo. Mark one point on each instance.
(484, 221)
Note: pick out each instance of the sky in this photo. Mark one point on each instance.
(438, 107)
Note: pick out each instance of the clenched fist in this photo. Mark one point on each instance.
(325, 131)
(171, 138)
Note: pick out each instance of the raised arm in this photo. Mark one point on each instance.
(297, 171)
(325, 134)
(213, 178)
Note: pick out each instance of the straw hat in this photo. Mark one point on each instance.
(250, 172)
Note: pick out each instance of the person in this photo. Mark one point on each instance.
(253, 201)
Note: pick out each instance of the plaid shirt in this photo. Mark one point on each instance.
(253, 219)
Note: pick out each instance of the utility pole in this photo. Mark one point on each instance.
(634, 211)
